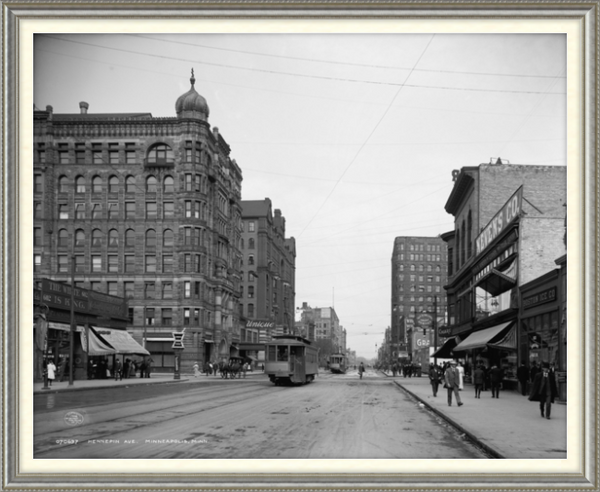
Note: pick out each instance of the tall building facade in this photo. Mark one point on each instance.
(419, 273)
(268, 273)
(149, 209)
(509, 231)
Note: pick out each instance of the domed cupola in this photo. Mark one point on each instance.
(191, 104)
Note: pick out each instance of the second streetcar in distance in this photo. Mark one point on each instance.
(337, 363)
(291, 359)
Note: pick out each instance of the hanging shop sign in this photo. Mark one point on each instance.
(507, 214)
(420, 341)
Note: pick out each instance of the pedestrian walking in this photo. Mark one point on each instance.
(496, 377)
(478, 380)
(523, 376)
(451, 383)
(544, 390)
(118, 370)
(196, 370)
(361, 369)
(51, 368)
(434, 378)
(461, 376)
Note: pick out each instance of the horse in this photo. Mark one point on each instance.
(224, 369)
(207, 368)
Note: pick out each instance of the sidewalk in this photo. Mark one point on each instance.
(509, 427)
(156, 378)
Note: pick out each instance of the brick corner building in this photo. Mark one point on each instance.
(148, 209)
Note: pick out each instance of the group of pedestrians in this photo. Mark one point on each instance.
(129, 368)
(543, 382)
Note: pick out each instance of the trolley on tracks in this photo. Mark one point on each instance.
(337, 363)
(291, 359)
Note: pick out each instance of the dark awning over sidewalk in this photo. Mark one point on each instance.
(481, 338)
(445, 351)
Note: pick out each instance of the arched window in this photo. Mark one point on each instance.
(63, 237)
(129, 237)
(96, 238)
(168, 238)
(151, 184)
(130, 184)
(79, 237)
(80, 184)
(168, 184)
(97, 184)
(150, 238)
(113, 238)
(63, 184)
(113, 184)
(160, 154)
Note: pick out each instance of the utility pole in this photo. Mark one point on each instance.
(72, 330)
(435, 333)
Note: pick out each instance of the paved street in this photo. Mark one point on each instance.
(337, 416)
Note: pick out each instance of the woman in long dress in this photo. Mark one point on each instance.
(461, 376)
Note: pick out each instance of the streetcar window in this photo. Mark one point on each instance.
(282, 353)
(271, 353)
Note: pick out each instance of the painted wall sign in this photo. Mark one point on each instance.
(507, 214)
(548, 295)
(254, 323)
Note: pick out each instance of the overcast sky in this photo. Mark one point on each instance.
(353, 136)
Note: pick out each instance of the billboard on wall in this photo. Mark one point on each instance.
(420, 341)
(505, 216)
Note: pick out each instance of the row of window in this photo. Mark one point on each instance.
(421, 268)
(164, 316)
(419, 257)
(421, 288)
(111, 264)
(191, 182)
(99, 154)
(193, 153)
(82, 211)
(415, 299)
(189, 236)
(422, 247)
(421, 278)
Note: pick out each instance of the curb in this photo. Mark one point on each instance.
(493, 452)
(91, 388)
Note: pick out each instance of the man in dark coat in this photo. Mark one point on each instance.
(434, 377)
(544, 389)
(496, 377)
(523, 376)
(533, 371)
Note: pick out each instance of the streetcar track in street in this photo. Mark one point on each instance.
(163, 414)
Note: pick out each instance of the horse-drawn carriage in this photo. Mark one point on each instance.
(234, 367)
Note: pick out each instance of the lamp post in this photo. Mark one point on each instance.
(435, 333)
(72, 330)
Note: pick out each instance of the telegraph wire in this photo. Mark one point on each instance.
(337, 62)
(291, 74)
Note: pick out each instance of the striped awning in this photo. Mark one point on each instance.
(105, 341)
(482, 338)
(509, 342)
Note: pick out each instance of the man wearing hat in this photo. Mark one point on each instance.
(451, 379)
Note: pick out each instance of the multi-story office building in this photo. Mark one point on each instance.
(268, 273)
(509, 231)
(419, 273)
(149, 209)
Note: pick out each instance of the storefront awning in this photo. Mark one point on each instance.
(102, 340)
(509, 342)
(445, 351)
(481, 338)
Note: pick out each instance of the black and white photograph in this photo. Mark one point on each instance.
(300, 246)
